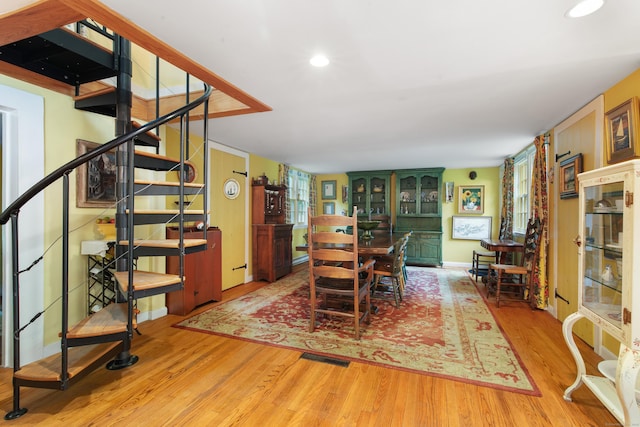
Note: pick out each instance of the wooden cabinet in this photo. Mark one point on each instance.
(608, 273)
(271, 251)
(419, 208)
(268, 204)
(370, 192)
(271, 236)
(424, 248)
(202, 272)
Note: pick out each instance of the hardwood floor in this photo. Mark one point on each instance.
(191, 378)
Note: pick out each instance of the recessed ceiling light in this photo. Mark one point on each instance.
(319, 61)
(584, 8)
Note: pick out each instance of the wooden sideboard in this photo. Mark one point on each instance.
(202, 272)
(271, 251)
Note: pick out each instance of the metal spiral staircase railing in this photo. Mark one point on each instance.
(108, 333)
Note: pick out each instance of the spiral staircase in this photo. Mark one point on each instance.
(106, 335)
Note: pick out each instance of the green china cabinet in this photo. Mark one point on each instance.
(419, 209)
(369, 191)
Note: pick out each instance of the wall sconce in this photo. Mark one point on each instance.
(472, 175)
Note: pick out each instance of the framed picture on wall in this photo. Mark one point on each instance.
(471, 227)
(95, 180)
(329, 208)
(569, 170)
(329, 190)
(471, 199)
(621, 135)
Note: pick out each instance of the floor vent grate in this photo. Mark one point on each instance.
(325, 359)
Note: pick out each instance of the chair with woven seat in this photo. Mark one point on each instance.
(519, 277)
(338, 284)
(390, 267)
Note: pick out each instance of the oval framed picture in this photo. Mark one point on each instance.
(231, 189)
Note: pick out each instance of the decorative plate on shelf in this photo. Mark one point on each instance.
(231, 189)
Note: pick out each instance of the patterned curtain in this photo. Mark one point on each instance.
(540, 209)
(312, 195)
(507, 198)
(283, 178)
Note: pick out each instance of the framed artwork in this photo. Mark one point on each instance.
(569, 170)
(329, 190)
(471, 227)
(448, 192)
(345, 193)
(95, 180)
(621, 125)
(471, 199)
(329, 208)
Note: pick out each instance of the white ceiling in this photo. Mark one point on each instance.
(412, 83)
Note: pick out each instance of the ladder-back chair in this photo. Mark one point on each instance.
(339, 285)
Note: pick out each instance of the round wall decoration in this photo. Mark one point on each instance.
(231, 188)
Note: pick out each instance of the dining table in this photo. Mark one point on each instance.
(502, 247)
(381, 244)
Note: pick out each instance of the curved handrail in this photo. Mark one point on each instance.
(70, 166)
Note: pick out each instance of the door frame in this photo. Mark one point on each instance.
(22, 167)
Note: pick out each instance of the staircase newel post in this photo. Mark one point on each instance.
(124, 189)
(17, 411)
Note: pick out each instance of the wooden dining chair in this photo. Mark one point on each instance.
(339, 285)
(519, 277)
(388, 273)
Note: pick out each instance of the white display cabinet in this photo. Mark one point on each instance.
(609, 232)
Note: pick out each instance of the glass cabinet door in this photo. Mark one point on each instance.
(429, 195)
(378, 196)
(602, 256)
(407, 195)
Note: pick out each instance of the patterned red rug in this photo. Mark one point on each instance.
(442, 328)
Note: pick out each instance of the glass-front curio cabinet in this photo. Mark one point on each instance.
(609, 231)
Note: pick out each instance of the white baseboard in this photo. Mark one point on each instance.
(152, 315)
(456, 264)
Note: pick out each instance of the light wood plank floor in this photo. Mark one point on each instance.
(190, 378)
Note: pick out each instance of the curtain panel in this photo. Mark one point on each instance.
(507, 198)
(540, 209)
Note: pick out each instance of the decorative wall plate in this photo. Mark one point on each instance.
(231, 189)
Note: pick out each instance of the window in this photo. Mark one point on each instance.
(522, 170)
(298, 195)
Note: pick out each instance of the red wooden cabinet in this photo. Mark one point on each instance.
(271, 251)
(202, 272)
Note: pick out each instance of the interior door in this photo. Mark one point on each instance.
(576, 135)
(229, 212)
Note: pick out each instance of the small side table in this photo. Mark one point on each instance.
(101, 284)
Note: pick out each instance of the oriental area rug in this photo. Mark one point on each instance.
(442, 328)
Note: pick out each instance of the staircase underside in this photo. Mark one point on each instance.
(45, 15)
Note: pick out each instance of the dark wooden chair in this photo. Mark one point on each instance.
(482, 258)
(518, 278)
(390, 267)
(338, 284)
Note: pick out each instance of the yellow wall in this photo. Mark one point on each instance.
(460, 251)
(63, 124)
(616, 95)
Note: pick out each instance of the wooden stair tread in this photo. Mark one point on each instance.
(146, 280)
(79, 358)
(165, 243)
(109, 320)
(161, 157)
(169, 183)
(90, 95)
(150, 134)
